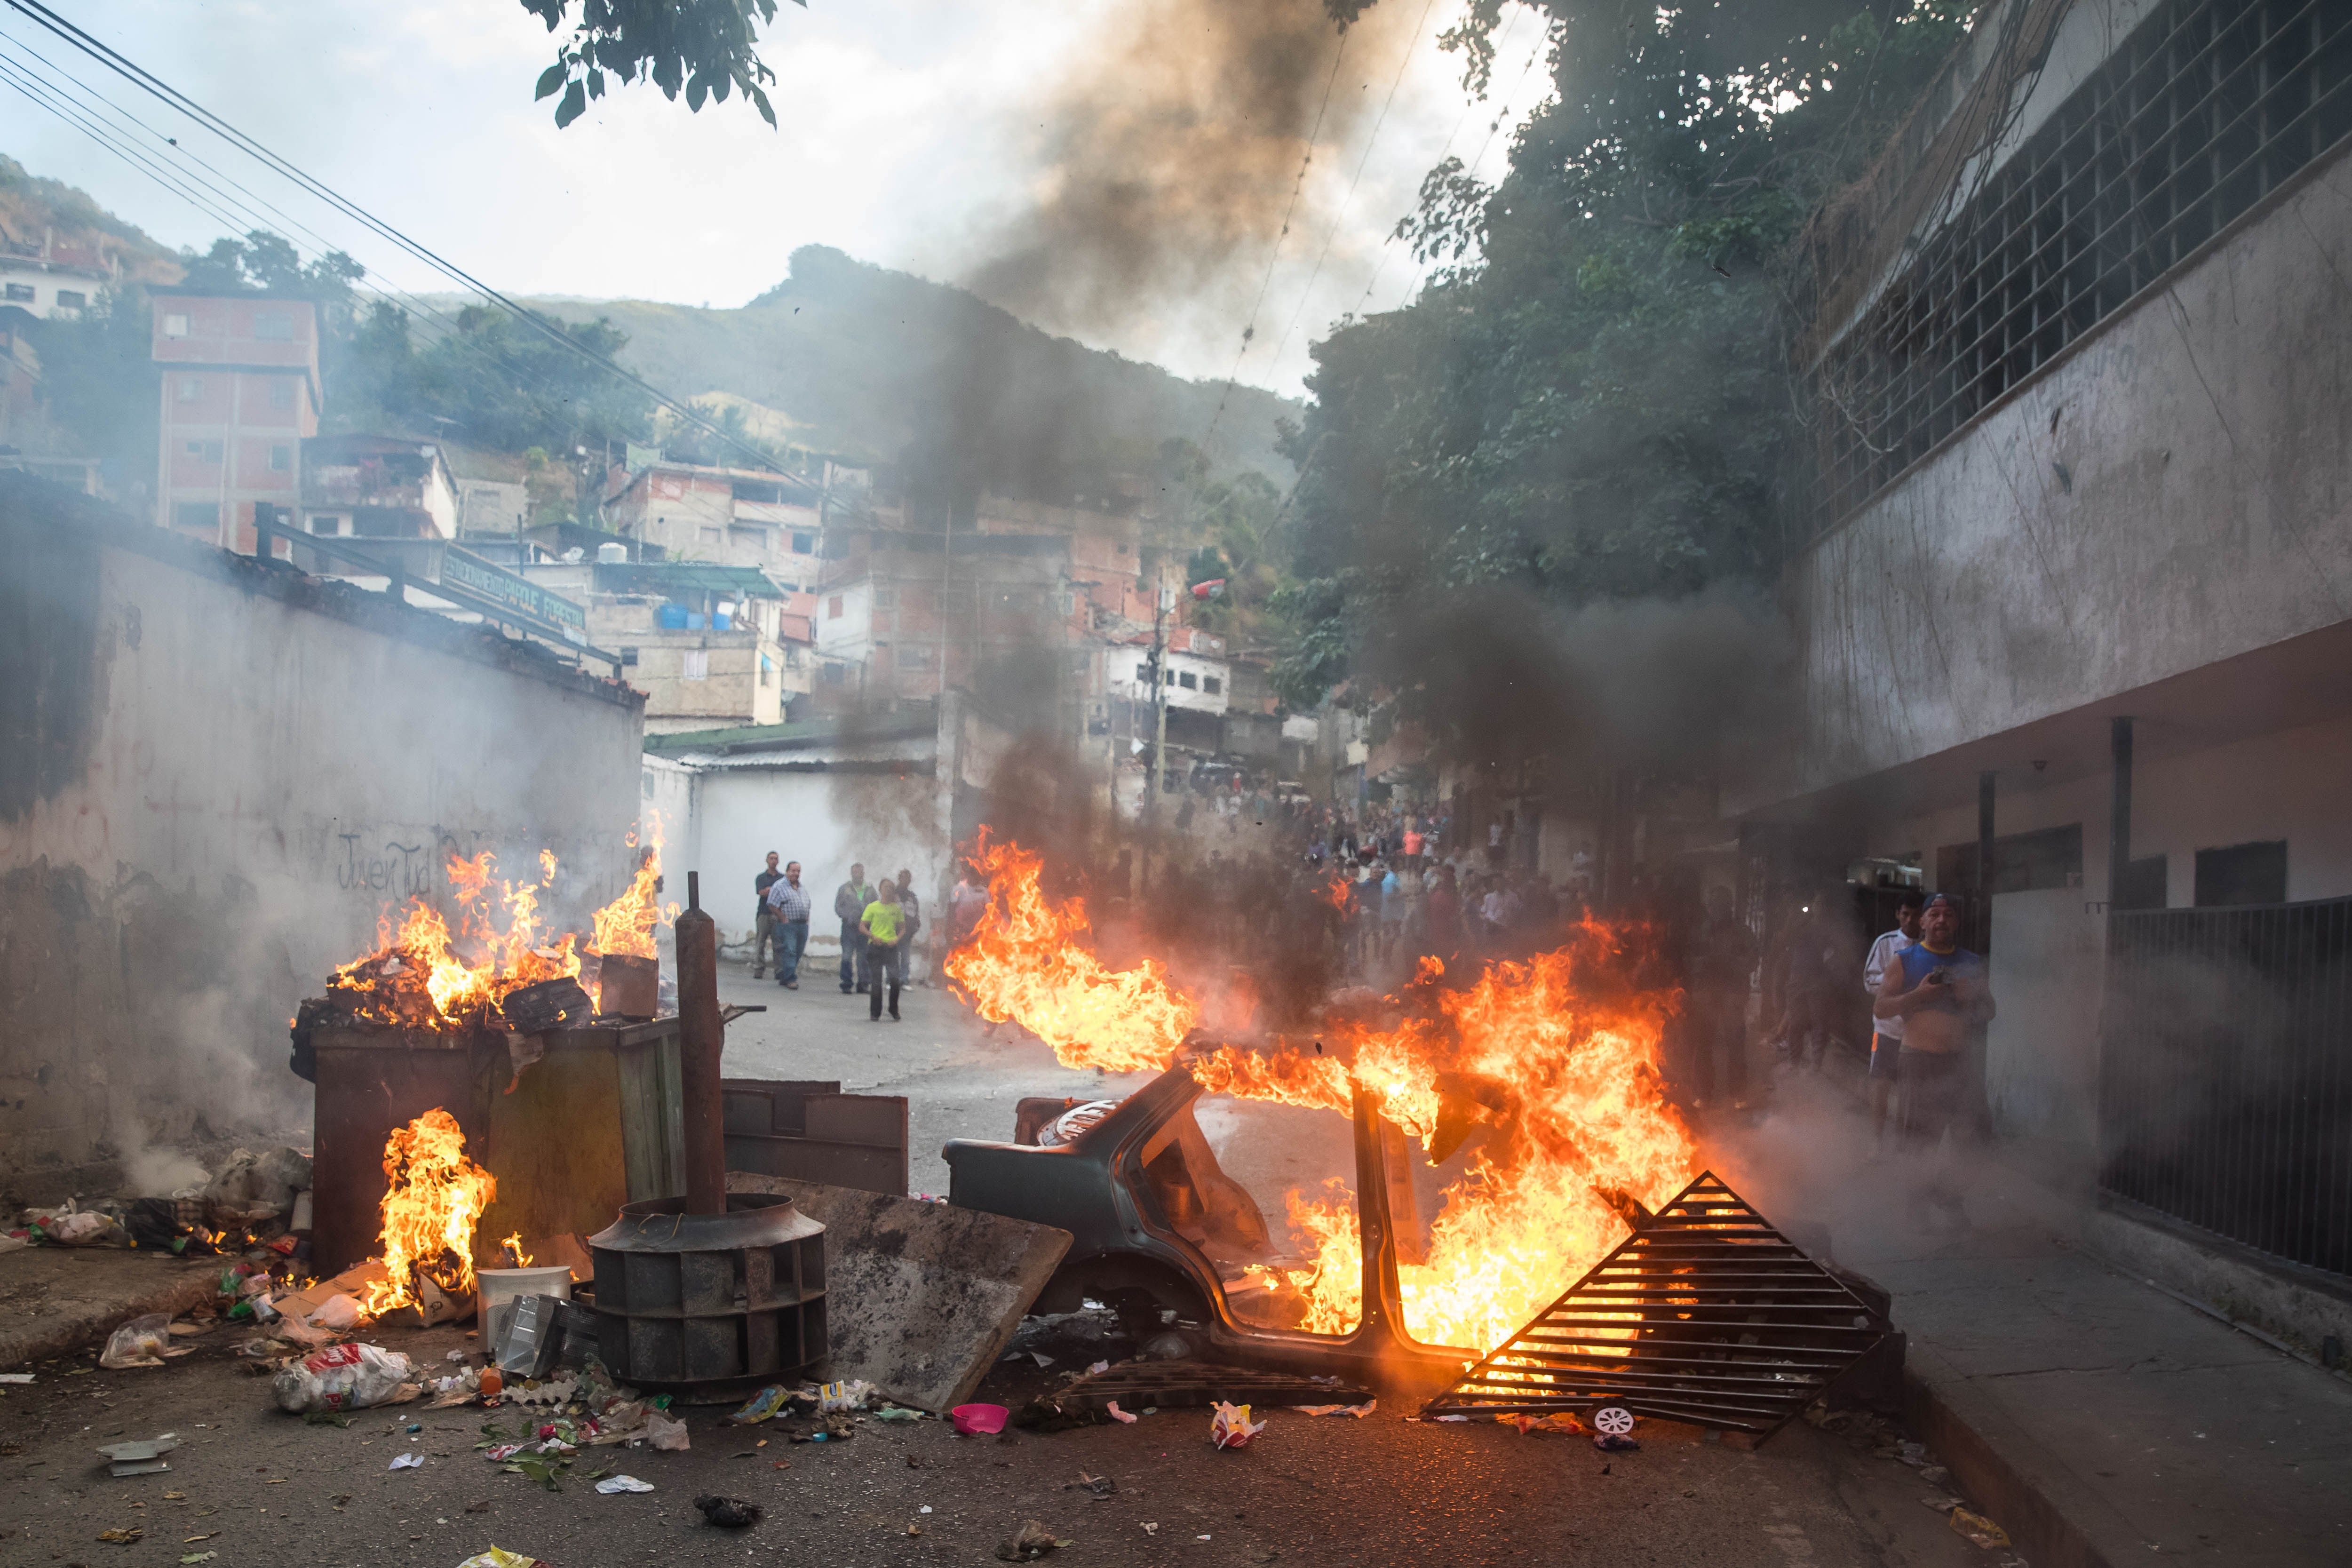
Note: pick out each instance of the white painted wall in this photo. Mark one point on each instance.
(256, 769)
(824, 820)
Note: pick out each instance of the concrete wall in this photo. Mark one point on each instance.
(215, 778)
(2174, 492)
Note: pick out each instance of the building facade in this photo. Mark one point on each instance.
(732, 517)
(240, 396)
(2074, 626)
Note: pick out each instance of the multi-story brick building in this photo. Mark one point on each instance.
(240, 395)
(730, 517)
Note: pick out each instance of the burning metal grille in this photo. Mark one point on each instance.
(1705, 1314)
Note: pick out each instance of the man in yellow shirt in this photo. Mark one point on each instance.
(882, 924)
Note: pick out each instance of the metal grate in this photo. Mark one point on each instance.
(2206, 107)
(1706, 1313)
(2225, 1073)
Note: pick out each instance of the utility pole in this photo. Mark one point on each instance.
(1162, 605)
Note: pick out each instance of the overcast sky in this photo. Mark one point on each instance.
(911, 133)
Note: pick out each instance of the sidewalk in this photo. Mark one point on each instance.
(2100, 1420)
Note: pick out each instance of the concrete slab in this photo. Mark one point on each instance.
(920, 1298)
(55, 1299)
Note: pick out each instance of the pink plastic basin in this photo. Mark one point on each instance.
(978, 1420)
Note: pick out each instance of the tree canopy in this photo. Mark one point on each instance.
(1591, 400)
(703, 48)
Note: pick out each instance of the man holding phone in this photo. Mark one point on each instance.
(1940, 991)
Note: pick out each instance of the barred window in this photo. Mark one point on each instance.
(2207, 107)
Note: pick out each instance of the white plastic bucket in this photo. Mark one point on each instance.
(493, 1286)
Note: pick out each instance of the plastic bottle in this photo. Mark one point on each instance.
(493, 1382)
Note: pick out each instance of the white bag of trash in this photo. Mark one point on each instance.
(141, 1341)
(337, 1311)
(340, 1377)
(666, 1434)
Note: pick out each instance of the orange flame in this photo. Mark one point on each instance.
(625, 926)
(432, 1197)
(417, 973)
(1023, 962)
(1553, 1061)
(425, 975)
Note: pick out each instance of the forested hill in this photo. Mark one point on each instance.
(873, 362)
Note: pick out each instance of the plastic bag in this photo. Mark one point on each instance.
(666, 1434)
(141, 1341)
(337, 1311)
(499, 1557)
(1231, 1427)
(84, 1229)
(340, 1377)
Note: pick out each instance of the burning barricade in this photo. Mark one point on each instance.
(1541, 1077)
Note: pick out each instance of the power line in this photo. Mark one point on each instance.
(1339, 216)
(1502, 113)
(1249, 330)
(1493, 129)
(42, 92)
(163, 90)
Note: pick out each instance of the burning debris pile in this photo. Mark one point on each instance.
(1547, 1072)
(504, 965)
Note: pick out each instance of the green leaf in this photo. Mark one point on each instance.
(550, 80)
(760, 103)
(574, 104)
(695, 90)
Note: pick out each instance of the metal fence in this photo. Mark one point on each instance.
(2207, 107)
(2225, 1073)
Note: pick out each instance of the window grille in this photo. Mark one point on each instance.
(2207, 107)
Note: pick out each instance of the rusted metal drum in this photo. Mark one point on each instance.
(707, 1303)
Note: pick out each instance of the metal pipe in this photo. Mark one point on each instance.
(702, 1040)
(2119, 813)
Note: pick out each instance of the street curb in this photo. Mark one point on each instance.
(2052, 1524)
(67, 1332)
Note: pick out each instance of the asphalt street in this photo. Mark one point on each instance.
(257, 1489)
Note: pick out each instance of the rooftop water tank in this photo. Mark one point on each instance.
(612, 554)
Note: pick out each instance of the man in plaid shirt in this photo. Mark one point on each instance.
(788, 905)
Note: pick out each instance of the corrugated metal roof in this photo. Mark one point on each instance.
(683, 577)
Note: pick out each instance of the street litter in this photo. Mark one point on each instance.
(198, 1556)
(407, 1462)
(342, 1378)
(856, 1393)
(1229, 1426)
(1611, 1443)
(1979, 1528)
(1100, 1486)
(729, 1512)
(760, 1405)
(141, 1341)
(500, 1557)
(120, 1537)
(897, 1413)
(611, 1484)
(978, 1420)
(1559, 1423)
(1121, 1416)
(16, 1377)
(1357, 1411)
(666, 1434)
(142, 1458)
(1031, 1542)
